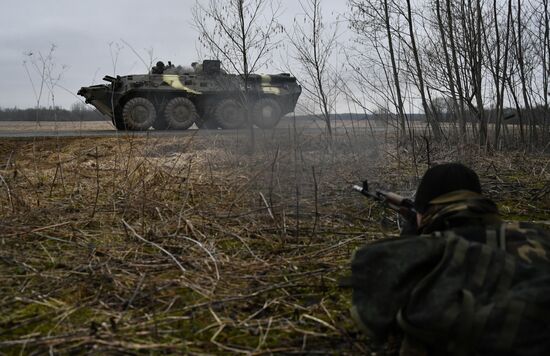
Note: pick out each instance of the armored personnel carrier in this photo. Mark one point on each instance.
(172, 97)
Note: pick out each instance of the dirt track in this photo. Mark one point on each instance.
(106, 129)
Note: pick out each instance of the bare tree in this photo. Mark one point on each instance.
(497, 48)
(544, 41)
(242, 33)
(394, 67)
(420, 82)
(43, 69)
(448, 68)
(482, 57)
(314, 44)
(372, 22)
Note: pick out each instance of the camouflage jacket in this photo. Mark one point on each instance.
(469, 284)
(475, 218)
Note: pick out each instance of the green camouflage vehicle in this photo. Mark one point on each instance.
(172, 97)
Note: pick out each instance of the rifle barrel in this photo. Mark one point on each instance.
(367, 193)
(391, 199)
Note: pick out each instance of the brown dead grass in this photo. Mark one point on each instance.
(190, 245)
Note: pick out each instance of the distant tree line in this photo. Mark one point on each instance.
(77, 112)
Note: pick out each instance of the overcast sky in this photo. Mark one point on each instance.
(85, 33)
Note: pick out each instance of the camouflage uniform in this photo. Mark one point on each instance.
(469, 284)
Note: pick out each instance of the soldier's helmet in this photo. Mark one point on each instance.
(442, 179)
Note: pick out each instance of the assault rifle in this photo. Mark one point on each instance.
(403, 206)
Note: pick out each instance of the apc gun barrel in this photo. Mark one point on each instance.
(109, 79)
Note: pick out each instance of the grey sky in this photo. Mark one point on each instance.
(82, 32)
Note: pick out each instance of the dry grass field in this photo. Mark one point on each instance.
(76, 127)
(192, 245)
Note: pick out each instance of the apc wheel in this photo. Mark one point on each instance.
(210, 125)
(160, 124)
(266, 113)
(118, 122)
(138, 114)
(229, 114)
(205, 121)
(206, 124)
(180, 114)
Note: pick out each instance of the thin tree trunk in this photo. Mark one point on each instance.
(244, 53)
(450, 75)
(477, 74)
(521, 64)
(318, 71)
(494, 67)
(429, 115)
(400, 111)
(546, 66)
(505, 74)
(451, 30)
